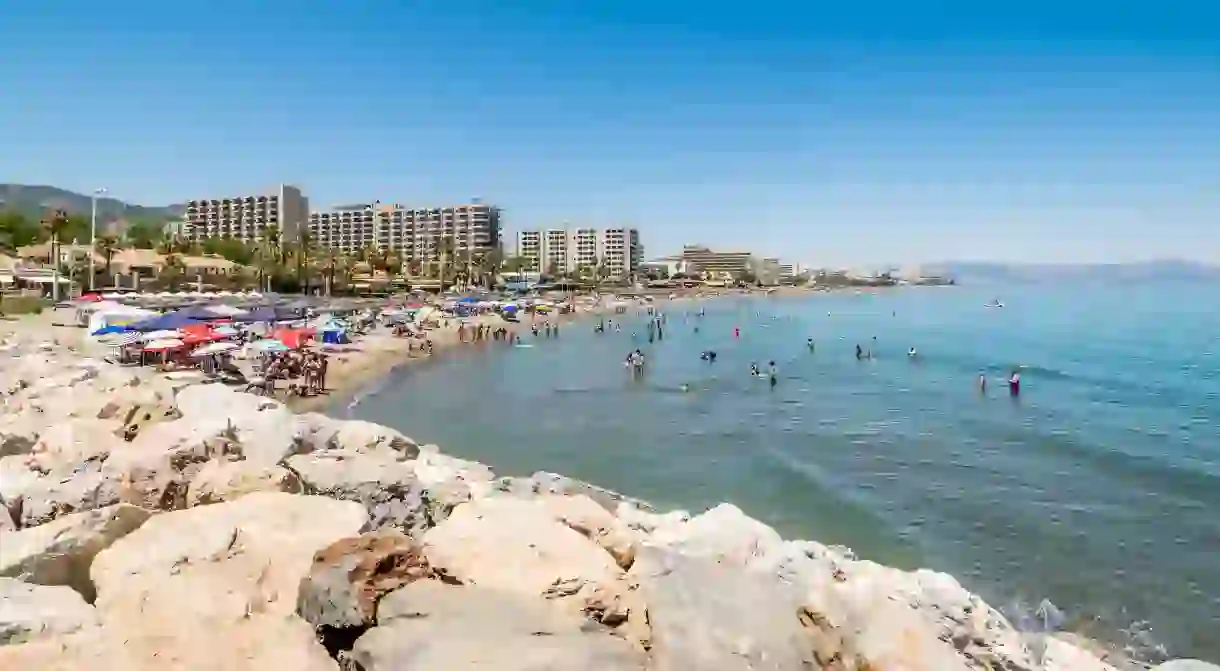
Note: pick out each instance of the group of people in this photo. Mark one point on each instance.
(309, 366)
(548, 329)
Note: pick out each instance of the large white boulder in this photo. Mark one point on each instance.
(65, 444)
(430, 626)
(387, 488)
(256, 642)
(219, 480)
(516, 546)
(266, 429)
(723, 533)
(61, 552)
(705, 614)
(360, 436)
(224, 560)
(29, 611)
(19, 431)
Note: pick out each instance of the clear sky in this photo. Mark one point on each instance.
(828, 132)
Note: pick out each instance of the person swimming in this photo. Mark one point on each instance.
(684, 388)
(912, 353)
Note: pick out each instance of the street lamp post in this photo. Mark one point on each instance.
(93, 233)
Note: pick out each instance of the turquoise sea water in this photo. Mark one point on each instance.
(1098, 489)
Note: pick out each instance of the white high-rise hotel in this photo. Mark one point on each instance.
(567, 251)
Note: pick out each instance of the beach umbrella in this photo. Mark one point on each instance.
(226, 310)
(214, 348)
(226, 330)
(107, 330)
(163, 334)
(269, 345)
(128, 338)
(163, 345)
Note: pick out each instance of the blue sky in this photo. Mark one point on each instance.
(836, 133)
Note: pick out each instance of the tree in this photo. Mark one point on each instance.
(173, 271)
(144, 234)
(17, 230)
(304, 251)
(107, 246)
(54, 224)
(444, 250)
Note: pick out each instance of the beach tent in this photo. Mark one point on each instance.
(168, 321)
(107, 314)
(226, 310)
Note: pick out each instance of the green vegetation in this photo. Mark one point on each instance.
(22, 305)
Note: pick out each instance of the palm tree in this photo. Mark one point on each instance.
(107, 246)
(304, 252)
(444, 250)
(173, 270)
(54, 224)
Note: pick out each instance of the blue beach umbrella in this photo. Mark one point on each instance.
(107, 330)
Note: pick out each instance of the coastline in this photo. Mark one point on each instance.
(222, 492)
(356, 370)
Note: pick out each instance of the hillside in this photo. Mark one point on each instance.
(34, 200)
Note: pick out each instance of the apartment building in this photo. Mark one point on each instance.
(621, 251)
(247, 218)
(567, 251)
(410, 233)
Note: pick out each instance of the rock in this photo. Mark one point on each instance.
(553, 483)
(317, 431)
(266, 430)
(387, 489)
(17, 474)
(706, 615)
(430, 626)
(7, 523)
(227, 480)
(586, 517)
(434, 469)
(516, 546)
(66, 444)
(349, 576)
(87, 487)
(29, 611)
(723, 533)
(19, 432)
(61, 552)
(366, 437)
(253, 643)
(247, 556)
(1186, 665)
(647, 522)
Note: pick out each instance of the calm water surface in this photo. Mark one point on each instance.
(1099, 488)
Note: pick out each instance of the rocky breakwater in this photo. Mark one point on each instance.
(148, 524)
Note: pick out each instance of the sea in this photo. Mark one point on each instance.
(1097, 489)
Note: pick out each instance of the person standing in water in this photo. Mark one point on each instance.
(982, 383)
(809, 344)
(1014, 384)
(772, 373)
(859, 352)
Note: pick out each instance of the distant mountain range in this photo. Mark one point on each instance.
(34, 200)
(974, 272)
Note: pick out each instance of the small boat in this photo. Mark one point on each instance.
(994, 304)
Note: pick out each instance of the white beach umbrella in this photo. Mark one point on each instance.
(214, 348)
(161, 335)
(162, 345)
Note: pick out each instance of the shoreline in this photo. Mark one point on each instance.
(368, 369)
(226, 493)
